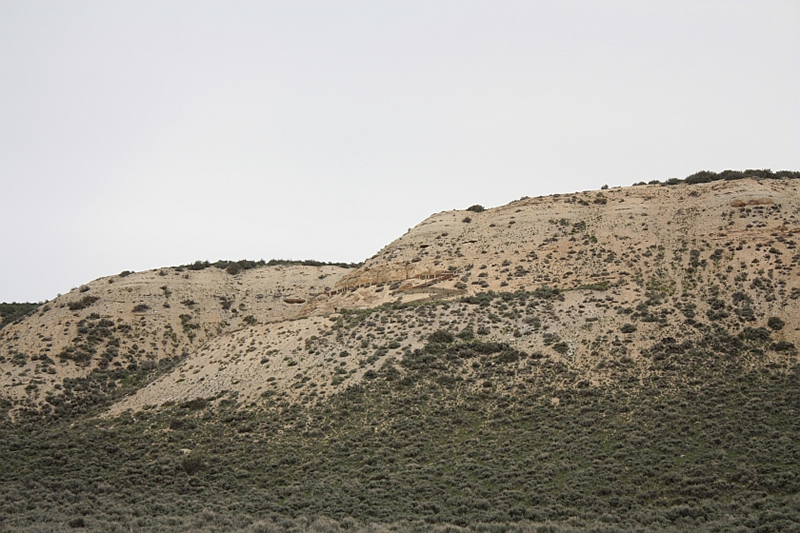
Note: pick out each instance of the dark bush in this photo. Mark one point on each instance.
(192, 464)
(628, 328)
(83, 303)
(77, 522)
(740, 297)
(306, 262)
(140, 308)
(704, 176)
(483, 299)
(199, 265)
(707, 176)
(441, 336)
(466, 334)
(195, 404)
(477, 208)
(19, 359)
(754, 334)
(509, 356)
(10, 312)
(783, 346)
(561, 347)
(487, 348)
(547, 293)
(775, 323)
(550, 338)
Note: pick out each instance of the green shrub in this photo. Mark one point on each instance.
(775, 323)
(551, 338)
(547, 293)
(441, 336)
(195, 404)
(561, 347)
(19, 359)
(83, 303)
(783, 346)
(192, 464)
(9, 312)
(199, 265)
(754, 334)
(310, 262)
(77, 523)
(509, 356)
(466, 334)
(477, 208)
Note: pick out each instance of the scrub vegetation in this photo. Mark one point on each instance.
(9, 312)
(704, 443)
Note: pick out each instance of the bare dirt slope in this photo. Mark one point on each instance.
(633, 265)
(135, 320)
(599, 277)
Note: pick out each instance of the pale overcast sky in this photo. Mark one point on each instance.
(141, 134)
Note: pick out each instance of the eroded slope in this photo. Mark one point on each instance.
(134, 322)
(589, 280)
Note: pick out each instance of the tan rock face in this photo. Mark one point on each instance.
(631, 265)
(145, 317)
(578, 239)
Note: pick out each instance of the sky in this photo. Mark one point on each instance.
(142, 134)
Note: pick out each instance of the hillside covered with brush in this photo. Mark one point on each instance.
(610, 360)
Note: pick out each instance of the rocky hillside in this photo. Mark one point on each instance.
(624, 357)
(122, 329)
(607, 271)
